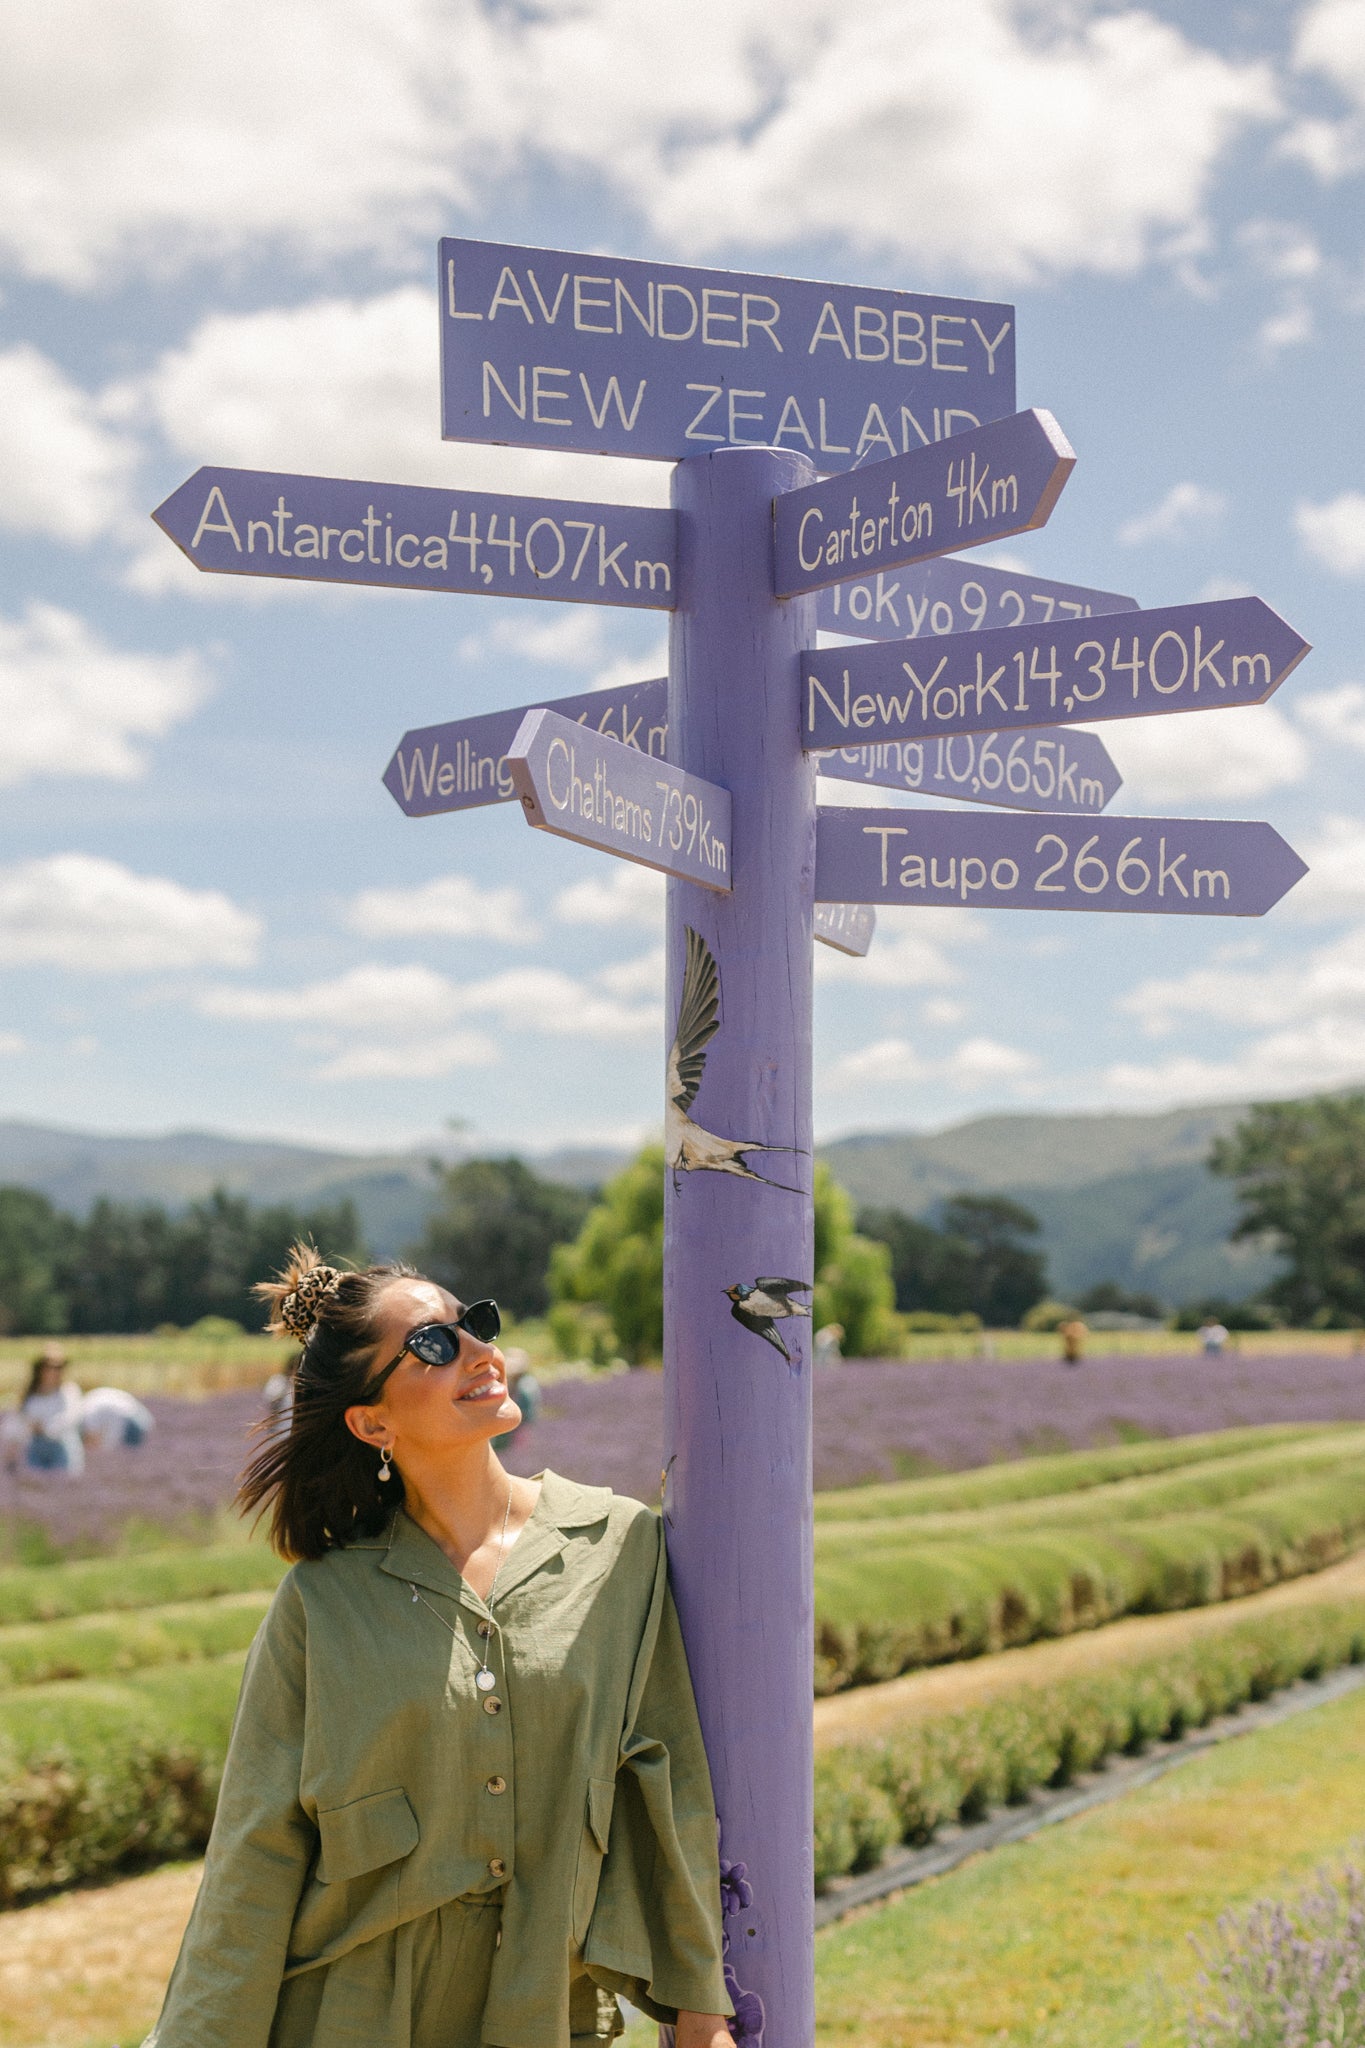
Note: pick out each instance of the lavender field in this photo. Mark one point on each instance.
(872, 1421)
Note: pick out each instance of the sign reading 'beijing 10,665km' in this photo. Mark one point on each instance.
(250, 522)
(547, 349)
(1197, 867)
(1187, 657)
(981, 485)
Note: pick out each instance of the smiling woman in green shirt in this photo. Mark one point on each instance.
(466, 1800)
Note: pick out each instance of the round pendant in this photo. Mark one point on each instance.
(485, 1680)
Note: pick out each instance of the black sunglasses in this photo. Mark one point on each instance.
(439, 1343)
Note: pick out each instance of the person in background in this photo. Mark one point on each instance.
(829, 1342)
(524, 1388)
(49, 1418)
(1073, 1335)
(113, 1420)
(1212, 1337)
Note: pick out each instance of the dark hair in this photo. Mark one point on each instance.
(320, 1483)
(51, 1354)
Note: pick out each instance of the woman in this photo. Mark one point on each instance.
(466, 1800)
(49, 1419)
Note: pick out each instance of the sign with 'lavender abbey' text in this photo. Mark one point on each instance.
(1188, 657)
(1178, 867)
(462, 765)
(1044, 768)
(979, 486)
(949, 595)
(252, 522)
(542, 348)
(584, 786)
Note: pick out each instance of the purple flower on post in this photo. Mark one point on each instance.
(736, 1892)
(747, 2025)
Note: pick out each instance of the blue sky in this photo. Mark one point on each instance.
(217, 237)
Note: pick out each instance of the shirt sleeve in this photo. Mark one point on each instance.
(226, 1983)
(656, 1928)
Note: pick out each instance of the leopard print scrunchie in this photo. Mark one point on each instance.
(303, 1305)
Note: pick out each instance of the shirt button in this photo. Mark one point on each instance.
(497, 1868)
(485, 1628)
(492, 1704)
(497, 1784)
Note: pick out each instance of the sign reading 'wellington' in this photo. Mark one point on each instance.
(996, 480)
(952, 596)
(1184, 867)
(1187, 657)
(546, 349)
(252, 522)
(584, 786)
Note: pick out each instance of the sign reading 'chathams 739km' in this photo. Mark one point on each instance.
(546, 349)
(256, 522)
(1187, 657)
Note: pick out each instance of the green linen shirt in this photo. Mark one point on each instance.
(369, 1781)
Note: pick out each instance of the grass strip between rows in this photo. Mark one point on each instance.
(55, 1592)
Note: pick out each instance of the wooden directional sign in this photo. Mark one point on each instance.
(950, 595)
(1187, 657)
(252, 522)
(1041, 768)
(546, 349)
(462, 765)
(978, 486)
(847, 927)
(585, 786)
(1179, 867)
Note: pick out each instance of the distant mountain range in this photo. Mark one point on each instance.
(1124, 1198)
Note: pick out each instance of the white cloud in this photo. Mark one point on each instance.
(954, 133)
(1211, 756)
(1330, 44)
(63, 469)
(422, 1059)
(1335, 883)
(976, 1063)
(1339, 715)
(72, 705)
(908, 951)
(1185, 508)
(1334, 532)
(568, 636)
(12, 1043)
(623, 895)
(450, 907)
(77, 911)
(642, 978)
(1285, 250)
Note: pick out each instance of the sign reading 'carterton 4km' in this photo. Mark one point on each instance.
(551, 350)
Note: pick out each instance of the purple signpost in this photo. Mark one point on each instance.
(968, 688)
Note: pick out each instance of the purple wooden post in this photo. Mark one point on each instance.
(737, 1410)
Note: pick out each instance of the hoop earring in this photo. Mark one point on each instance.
(385, 1461)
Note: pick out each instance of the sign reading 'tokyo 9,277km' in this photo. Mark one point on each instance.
(552, 350)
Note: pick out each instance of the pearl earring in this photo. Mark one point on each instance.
(385, 1461)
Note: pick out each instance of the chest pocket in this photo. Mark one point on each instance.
(592, 1848)
(365, 1835)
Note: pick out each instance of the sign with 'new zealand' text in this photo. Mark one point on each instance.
(950, 595)
(545, 349)
(1038, 769)
(584, 786)
(252, 522)
(1179, 867)
(1187, 657)
(995, 480)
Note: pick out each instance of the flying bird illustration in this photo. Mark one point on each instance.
(689, 1148)
(768, 1302)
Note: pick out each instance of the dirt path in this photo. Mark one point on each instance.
(870, 1711)
(91, 1966)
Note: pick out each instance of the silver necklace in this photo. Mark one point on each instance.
(484, 1679)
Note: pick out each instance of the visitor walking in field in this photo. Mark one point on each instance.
(466, 1799)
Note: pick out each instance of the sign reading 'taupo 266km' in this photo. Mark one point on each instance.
(552, 350)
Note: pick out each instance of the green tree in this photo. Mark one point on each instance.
(617, 1259)
(494, 1230)
(853, 1280)
(974, 1261)
(33, 1240)
(1300, 1174)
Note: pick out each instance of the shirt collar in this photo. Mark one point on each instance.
(414, 1557)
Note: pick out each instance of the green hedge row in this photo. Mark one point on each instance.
(102, 1645)
(869, 1797)
(900, 1601)
(54, 1592)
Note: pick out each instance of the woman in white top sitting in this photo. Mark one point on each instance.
(51, 1413)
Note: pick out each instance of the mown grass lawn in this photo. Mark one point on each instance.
(1080, 1938)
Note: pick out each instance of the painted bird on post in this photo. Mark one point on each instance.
(688, 1148)
(769, 1301)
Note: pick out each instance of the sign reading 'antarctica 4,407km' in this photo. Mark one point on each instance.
(952, 596)
(547, 349)
(251, 522)
(1188, 657)
(1194, 867)
(584, 786)
(982, 485)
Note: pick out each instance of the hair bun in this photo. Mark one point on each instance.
(300, 1308)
